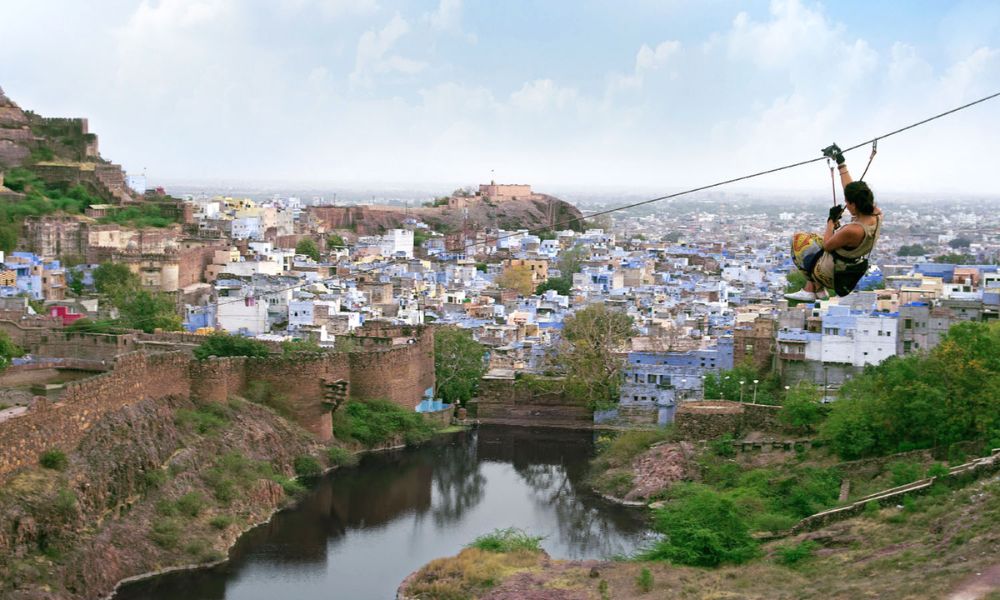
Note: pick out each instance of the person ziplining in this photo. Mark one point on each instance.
(838, 259)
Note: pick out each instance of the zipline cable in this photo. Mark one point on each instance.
(701, 188)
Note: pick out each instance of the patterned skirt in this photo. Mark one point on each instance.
(808, 256)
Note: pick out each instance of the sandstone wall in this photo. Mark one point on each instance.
(512, 401)
(62, 425)
(711, 419)
(297, 384)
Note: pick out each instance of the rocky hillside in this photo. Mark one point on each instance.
(538, 212)
(61, 151)
(942, 546)
(155, 484)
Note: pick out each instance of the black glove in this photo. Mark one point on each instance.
(833, 151)
(835, 212)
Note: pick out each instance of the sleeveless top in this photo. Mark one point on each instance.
(866, 245)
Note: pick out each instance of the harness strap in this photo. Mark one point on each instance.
(833, 183)
(871, 157)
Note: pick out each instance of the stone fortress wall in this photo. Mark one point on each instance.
(399, 373)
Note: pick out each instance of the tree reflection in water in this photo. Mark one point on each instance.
(458, 482)
(360, 531)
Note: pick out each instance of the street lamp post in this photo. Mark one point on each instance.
(683, 387)
(741, 390)
(724, 389)
(755, 391)
(702, 387)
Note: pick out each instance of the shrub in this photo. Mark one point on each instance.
(341, 457)
(937, 470)
(292, 487)
(221, 522)
(53, 459)
(202, 551)
(792, 555)
(206, 419)
(620, 451)
(307, 466)
(191, 504)
(377, 421)
(904, 472)
(166, 508)
(701, 527)
(603, 589)
(64, 504)
(223, 344)
(154, 478)
(617, 482)
(723, 446)
(233, 472)
(166, 532)
(507, 540)
(871, 509)
(644, 581)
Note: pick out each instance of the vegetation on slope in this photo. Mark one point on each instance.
(949, 395)
(375, 422)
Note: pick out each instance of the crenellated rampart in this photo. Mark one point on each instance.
(300, 385)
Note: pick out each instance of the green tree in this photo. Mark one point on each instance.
(593, 338)
(571, 261)
(335, 241)
(796, 281)
(458, 364)
(911, 250)
(8, 350)
(308, 247)
(801, 408)
(561, 285)
(954, 259)
(222, 344)
(702, 528)
(114, 278)
(952, 394)
(726, 384)
(960, 242)
(147, 311)
(517, 278)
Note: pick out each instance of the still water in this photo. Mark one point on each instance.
(360, 531)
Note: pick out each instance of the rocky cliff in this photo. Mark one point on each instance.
(151, 485)
(535, 212)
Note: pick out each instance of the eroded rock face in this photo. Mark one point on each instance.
(659, 467)
(75, 534)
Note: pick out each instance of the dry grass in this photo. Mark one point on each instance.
(469, 573)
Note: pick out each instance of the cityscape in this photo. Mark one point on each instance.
(496, 381)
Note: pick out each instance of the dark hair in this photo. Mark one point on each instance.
(860, 195)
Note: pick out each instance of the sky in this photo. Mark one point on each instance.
(651, 94)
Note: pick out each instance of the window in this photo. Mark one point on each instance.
(908, 324)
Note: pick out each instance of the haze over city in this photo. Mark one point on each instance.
(649, 95)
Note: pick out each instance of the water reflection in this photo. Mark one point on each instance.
(360, 531)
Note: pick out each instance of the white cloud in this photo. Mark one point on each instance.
(373, 55)
(448, 17)
(646, 60)
(543, 94)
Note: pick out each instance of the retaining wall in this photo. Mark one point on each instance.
(399, 374)
(711, 419)
(510, 401)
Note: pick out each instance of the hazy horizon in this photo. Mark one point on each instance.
(650, 96)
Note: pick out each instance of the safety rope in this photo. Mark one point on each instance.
(871, 157)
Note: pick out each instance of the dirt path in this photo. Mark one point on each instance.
(979, 585)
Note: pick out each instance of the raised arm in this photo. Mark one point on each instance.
(845, 175)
